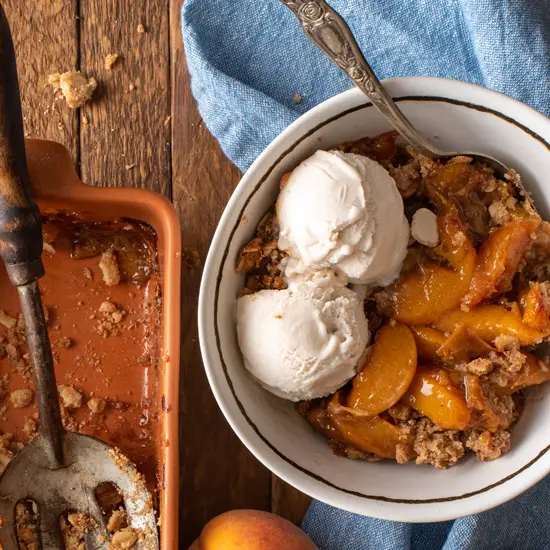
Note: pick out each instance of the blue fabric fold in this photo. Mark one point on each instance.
(253, 72)
(249, 59)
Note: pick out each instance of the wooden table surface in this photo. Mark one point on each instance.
(142, 130)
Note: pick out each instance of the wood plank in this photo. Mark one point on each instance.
(45, 40)
(126, 141)
(218, 473)
(288, 502)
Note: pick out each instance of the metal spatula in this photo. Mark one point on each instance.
(59, 471)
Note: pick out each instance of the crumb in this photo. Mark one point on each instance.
(404, 453)
(129, 166)
(7, 321)
(107, 307)
(499, 213)
(488, 445)
(124, 539)
(402, 412)
(141, 29)
(167, 120)
(88, 274)
(30, 428)
(70, 397)
(435, 446)
(76, 88)
(64, 342)
(84, 119)
(97, 405)
(479, 367)
(21, 398)
(74, 529)
(297, 98)
(110, 60)
(407, 178)
(109, 268)
(117, 521)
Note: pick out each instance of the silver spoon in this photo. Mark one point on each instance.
(330, 33)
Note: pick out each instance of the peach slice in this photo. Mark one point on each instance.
(499, 258)
(463, 345)
(428, 341)
(490, 321)
(388, 373)
(434, 394)
(370, 435)
(534, 372)
(535, 308)
(320, 419)
(422, 296)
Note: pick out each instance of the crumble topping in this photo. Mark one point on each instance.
(21, 398)
(70, 397)
(488, 445)
(110, 60)
(435, 446)
(75, 87)
(109, 268)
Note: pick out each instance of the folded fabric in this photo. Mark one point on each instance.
(253, 72)
(250, 61)
(521, 524)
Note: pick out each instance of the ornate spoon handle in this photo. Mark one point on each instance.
(330, 33)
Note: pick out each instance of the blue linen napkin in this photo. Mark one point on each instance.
(248, 59)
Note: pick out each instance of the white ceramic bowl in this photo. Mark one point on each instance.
(457, 116)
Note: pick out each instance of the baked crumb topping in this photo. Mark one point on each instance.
(75, 87)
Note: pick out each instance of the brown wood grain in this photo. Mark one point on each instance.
(45, 40)
(218, 473)
(288, 502)
(150, 137)
(126, 142)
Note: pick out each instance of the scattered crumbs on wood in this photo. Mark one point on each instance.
(110, 60)
(141, 29)
(297, 98)
(130, 166)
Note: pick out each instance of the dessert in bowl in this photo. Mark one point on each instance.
(460, 117)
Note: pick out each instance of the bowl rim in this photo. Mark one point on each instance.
(438, 509)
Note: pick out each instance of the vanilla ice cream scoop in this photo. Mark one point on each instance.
(343, 211)
(303, 342)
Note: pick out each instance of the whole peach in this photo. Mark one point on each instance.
(251, 530)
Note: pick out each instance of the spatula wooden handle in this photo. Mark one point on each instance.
(20, 221)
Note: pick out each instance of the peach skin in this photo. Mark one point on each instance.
(368, 434)
(428, 341)
(434, 395)
(388, 373)
(499, 258)
(251, 530)
(535, 308)
(490, 321)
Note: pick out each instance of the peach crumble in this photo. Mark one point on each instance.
(453, 334)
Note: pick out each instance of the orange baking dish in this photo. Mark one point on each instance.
(58, 190)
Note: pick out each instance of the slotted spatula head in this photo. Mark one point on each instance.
(89, 464)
